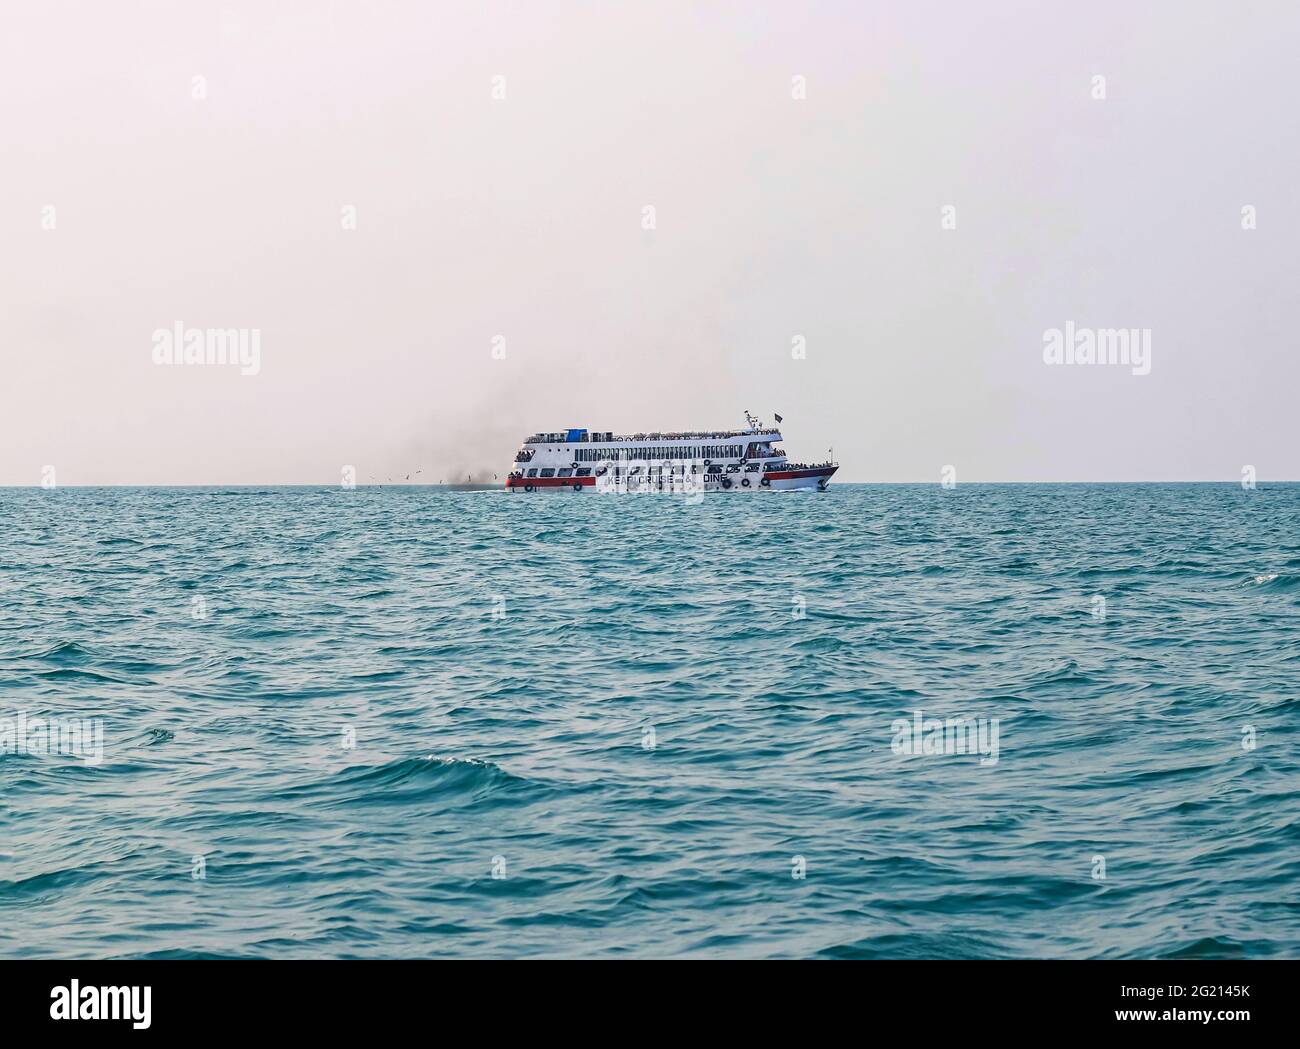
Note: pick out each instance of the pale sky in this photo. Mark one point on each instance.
(128, 204)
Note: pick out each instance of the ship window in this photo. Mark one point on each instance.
(532, 472)
(584, 472)
(566, 473)
(548, 473)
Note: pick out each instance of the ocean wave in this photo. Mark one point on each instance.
(431, 779)
(1273, 582)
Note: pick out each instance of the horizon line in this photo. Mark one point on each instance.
(496, 484)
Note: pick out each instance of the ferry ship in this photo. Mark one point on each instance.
(580, 460)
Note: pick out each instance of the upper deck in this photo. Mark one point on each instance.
(581, 436)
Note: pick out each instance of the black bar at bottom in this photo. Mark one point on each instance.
(338, 998)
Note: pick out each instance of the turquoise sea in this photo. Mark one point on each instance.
(397, 722)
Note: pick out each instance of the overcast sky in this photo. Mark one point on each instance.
(193, 163)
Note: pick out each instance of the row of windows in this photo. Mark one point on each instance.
(624, 453)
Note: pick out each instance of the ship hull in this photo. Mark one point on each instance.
(816, 479)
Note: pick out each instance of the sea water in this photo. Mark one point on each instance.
(409, 721)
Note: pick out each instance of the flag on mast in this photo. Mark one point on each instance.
(776, 417)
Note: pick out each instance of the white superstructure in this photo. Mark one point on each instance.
(577, 460)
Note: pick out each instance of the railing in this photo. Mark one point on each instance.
(611, 438)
